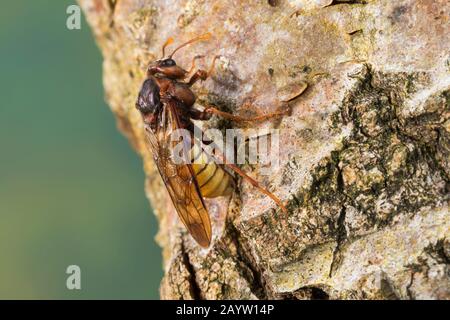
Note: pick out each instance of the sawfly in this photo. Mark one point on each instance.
(166, 103)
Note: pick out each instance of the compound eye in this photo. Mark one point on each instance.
(168, 63)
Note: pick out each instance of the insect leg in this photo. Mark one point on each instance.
(236, 118)
(255, 183)
(198, 75)
(252, 181)
(193, 62)
(199, 115)
(202, 74)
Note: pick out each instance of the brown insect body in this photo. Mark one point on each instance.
(212, 179)
(167, 104)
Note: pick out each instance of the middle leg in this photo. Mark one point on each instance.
(212, 110)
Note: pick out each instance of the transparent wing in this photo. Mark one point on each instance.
(179, 178)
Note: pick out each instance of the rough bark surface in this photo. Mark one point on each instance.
(365, 154)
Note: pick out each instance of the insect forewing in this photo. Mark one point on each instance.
(179, 179)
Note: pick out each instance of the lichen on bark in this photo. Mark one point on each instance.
(364, 156)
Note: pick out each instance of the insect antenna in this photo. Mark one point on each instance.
(168, 42)
(202, 37)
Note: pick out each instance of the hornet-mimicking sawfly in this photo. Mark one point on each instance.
(166, 103)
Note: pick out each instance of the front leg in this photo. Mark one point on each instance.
(202, 74)
(199, 75)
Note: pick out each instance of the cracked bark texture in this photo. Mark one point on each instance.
(364, 164)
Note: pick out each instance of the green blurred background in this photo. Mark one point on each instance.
(71, 188)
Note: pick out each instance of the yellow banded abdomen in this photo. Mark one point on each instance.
(213, 180)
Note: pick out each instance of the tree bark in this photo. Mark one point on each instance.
(364, 156)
